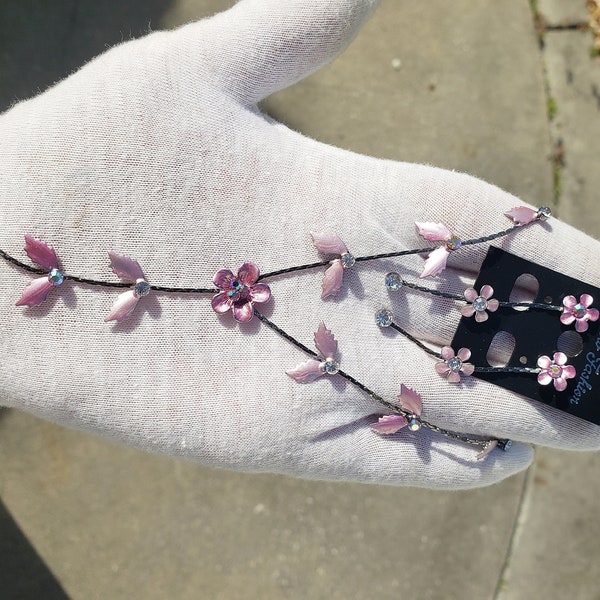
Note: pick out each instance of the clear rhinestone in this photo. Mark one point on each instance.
(330, 366)
(393, 282)
(454, 243)
(347, 260)
(142, 288)
(455, 364)
(579, 311)
(507, 445)
(480, 304)
(55, 277)
(544, 213)
(384, 317)
(414, 423)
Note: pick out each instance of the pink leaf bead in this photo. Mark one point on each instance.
(40, 253)
(123, 306)
(311, 369)
(125, 267)
(434, 232)
(436, 262)
(329, 243)
(332, 280)
(36, 292)
(389, 424)
(306, 371)
(410, 400)
(325, 342)
(521, 215)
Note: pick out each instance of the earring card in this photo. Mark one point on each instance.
(533, 333)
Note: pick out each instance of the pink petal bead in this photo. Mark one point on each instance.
(40, 253)
(36, 292)
(332, 280)
(328, 243)
(389, 424)
(436, 262)
(434, 232)
(123, 306)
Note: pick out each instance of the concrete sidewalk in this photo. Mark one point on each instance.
(462, 85)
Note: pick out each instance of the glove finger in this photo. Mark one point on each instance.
(261, 46)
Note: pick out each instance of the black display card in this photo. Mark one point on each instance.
(536, 332)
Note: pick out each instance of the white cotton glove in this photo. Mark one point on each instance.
(156, 150)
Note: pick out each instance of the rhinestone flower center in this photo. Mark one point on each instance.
(480, 304)
(238, 290)
(579, 311)
(555, 371)
(455, 364)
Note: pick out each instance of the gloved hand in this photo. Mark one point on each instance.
(157, 150)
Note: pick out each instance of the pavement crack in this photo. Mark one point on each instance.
(518, 525)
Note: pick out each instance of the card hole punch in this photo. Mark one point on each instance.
(525, 289)
(570, 343)
(501, 349)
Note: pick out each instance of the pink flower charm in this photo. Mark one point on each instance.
(578, 312)
(42, 254)
(312, 369)
(130, 270)
(479, 303)
(436, 261)
(556, 370)
(239, 292)
(330, 243)
(412, 403)
(454, 365)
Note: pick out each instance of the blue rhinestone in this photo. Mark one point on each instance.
(55, 277)
(142, 288)
(393, 282)
(347, 260)
(330, 366)
(384, 317)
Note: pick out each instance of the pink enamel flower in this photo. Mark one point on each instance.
(578, 312)
(556, 370)
(454, 364)
(480, 303)
(239, 292)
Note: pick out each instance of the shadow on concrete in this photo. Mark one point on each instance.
(23, 574)
(41, 42)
